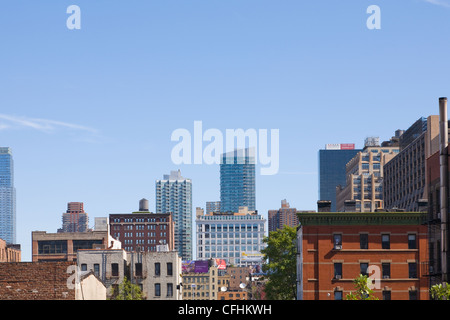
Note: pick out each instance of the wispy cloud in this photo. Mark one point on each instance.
(43, 125)
(441, 3)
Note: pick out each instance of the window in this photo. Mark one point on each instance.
(97, 269)
(138, 269)
(157, 269)
(337, 238)
(413, 295)
(157, 289)
(114, 269)
(169, 269)
(364, 241)
(386, 269)
(386, 295)
(412, 268)
(338, 295)
(83, 267)
(170, 290)
(52, 246)
(412, 244)
(338, 270)
(385, 241)
(363, 268)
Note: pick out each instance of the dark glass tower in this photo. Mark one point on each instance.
(7, 197)
(237, 180)
(332, 172)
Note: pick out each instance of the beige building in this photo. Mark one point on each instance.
(64, 246)
(9, 252)
(157, 273)
(201, 286)
(106, 264)
(364, 183)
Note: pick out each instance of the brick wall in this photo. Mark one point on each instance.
(35, 281)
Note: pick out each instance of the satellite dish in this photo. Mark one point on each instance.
(242, 285)
(223, 289)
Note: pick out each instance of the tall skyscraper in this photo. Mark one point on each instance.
(7, 197)
(75, 219)
(174, 195)
(332, 172)
(237, 181)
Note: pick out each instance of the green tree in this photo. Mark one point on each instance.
(280, 266)
(127, 291)
(440, 291)
(363, 292)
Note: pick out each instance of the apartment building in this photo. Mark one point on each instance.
(156, 273)
(201, 283)
(334, 248)
(143, 230)
(285, 216)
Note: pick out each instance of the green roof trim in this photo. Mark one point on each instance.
(361, 218)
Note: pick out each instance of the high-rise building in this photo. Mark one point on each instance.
(212, 206)
(405, 175)
(75, 219)
(364, 182)
(7, 197)
(332, 161)
(285, 216)
(174, 195)
(235, 237)
(237, 180)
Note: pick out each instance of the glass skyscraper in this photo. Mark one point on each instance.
(174, 195)
(7, 197)
(332, 172)
(237, 180)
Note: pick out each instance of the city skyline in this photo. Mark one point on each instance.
(89, 113)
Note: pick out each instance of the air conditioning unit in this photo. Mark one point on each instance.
(338, 276)
(337, 247)
(386, 277)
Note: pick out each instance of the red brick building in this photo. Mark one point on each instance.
(35, 281)
(143, 230)
(335, 248)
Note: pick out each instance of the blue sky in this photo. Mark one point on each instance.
(89, 113)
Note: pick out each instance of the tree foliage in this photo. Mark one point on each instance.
(280, 266)
(127, 291)
(363, 291)
(440, 291)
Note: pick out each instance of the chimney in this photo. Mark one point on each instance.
(324, 206)
(443, 162)
(350, 206)
(143, 205)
